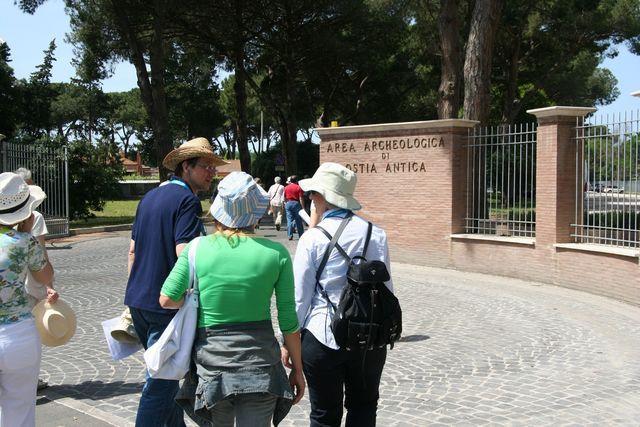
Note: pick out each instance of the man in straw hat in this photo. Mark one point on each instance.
(20, 346)
(167, 218)
(334, 372)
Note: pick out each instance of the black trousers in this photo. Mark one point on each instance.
(334, 375)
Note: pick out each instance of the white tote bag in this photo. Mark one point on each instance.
(169, 357)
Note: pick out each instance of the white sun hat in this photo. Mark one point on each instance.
(335, 183)
(56, 322)
(17, 199)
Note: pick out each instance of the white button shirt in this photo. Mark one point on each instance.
(312, 308)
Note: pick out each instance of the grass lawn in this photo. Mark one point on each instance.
(118, 212)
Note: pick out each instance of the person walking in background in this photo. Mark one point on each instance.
(276, 201)
(20, 346)
(36, 291)
(167, 218)
(259, 182)
(333, 373)
(294, 201)
(239, 371)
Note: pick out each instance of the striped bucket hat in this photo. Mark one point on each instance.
(240, 201)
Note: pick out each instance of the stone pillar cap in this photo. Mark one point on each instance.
(560, 111)
(427, 124)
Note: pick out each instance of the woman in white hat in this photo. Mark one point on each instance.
(19, 338)
(239, 371)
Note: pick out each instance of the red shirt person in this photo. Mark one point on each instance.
(294, 202)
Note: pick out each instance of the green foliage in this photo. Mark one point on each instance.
(610, 158)
(615, 219)
(93, 178)
(192, 94)
(307, 63)
(127, 118)
(8, 93)
(549, 53)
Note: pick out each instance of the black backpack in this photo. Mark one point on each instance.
(368, 315)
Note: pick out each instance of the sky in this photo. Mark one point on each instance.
(28, 36)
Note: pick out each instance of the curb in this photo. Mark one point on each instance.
(109, 228)
(85, 408)
(100, 229)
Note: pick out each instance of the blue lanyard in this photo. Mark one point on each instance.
(203, 231)
(339, 213)
(180, 183)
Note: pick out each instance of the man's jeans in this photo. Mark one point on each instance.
(157, 405)
(332, 373)
(292, 208)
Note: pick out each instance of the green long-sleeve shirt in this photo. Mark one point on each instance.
(237, 278)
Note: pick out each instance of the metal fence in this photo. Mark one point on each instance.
(501, 170)
(49, 168)
(607, 180)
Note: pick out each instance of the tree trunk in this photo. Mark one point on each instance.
(289, 144)
(240, 90)
(478, 58)
(449, 29)
(152, 90)
(512, 104)
(162, 133)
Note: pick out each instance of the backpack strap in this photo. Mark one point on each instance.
(367, 239)
(327, 253)
(338, 247)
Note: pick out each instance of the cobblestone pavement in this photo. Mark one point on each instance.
(477, 349)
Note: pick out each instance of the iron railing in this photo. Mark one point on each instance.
(608, 180)
(501, 170)
(49, 168)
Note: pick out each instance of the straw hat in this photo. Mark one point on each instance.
(17, 199)
(198, 147)
(124, 331)
(240, 201)
(336, 184)
(56, 322)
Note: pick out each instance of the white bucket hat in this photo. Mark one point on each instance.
(335, 183)
(56, 322)
(240, 201)
(17, 199)
(124, 330)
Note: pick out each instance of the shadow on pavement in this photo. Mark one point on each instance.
(96, 390)
(54, 247)
(414, 338)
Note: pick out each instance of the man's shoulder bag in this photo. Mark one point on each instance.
(368, 315)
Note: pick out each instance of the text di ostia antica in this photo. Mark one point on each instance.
(385, 147)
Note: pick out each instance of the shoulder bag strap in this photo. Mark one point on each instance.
(327, 253)
(193, 277)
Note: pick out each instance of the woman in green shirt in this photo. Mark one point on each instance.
(239, 373)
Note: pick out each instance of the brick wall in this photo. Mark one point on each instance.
(405, 184)
(411, 182)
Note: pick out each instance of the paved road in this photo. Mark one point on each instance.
(476, 350)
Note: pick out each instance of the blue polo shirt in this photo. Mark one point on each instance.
(166, 216)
